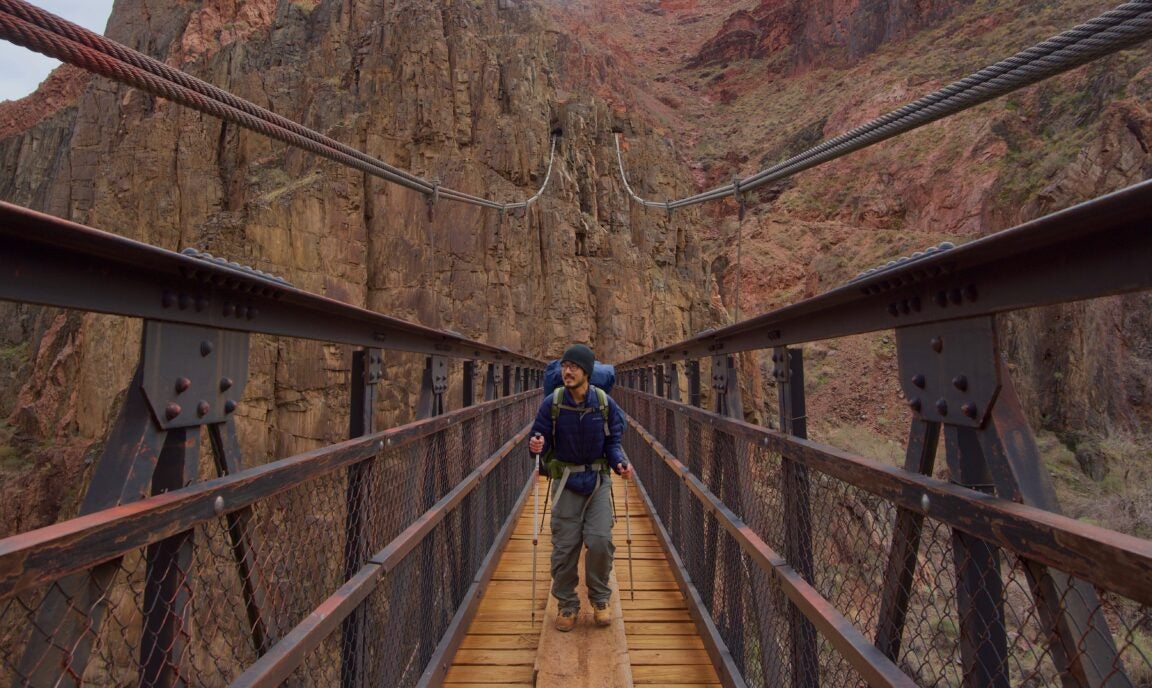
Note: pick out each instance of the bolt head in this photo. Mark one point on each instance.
(171, 411)
(206, 348)
(937, 344)
(969, 409)
(225, 384)
(942, 406)
(229, 406)
(960, 382)
(202, 408)
(915, 404)
(182, 385)
(919, 380)
(218, 505)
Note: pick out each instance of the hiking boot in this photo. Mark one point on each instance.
(566, 620)
(602, 613)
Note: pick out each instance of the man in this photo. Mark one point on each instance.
(587, 445)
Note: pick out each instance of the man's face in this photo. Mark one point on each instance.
(573, 375)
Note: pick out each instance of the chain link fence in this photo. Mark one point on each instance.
(200, 606)
(974, 613)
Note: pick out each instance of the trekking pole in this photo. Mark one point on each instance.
(535, 523)
(628, 538)
(548, 494)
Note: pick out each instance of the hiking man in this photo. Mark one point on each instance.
(585, 444)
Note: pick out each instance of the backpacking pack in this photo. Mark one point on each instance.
(554, 466)
(603, 376)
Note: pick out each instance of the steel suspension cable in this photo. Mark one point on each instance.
(31, 27)
(1122, 27)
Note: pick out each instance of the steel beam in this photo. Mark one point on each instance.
(53, 262)
(1098, 248)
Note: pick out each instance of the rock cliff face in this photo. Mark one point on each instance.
(743, 86)
(467, 92)
(821, 33)
(463, 92)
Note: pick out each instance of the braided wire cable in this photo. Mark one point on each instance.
(1122, 27)
(33, 28)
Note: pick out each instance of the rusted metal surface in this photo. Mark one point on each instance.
(1108, 559)
(872, 665)
(53, 262)
(920, 458)
(713, 642)
(1098, 248)
(47, 553)
(278, 664)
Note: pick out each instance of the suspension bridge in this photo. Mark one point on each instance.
(403, 555)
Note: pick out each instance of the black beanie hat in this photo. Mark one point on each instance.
(581, 356)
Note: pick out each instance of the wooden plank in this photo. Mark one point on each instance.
(520, 641)
(501, 675)
(681, 673)
(656, 622)
(638, 641)
(659, 628)
(668, 657)
(495, 657)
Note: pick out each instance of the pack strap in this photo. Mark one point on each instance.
(563, 480)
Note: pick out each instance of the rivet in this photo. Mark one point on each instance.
(942, 406)
(960, 382)
(205, 347)
(937, 344)
(182, 385)
(229, 406)
(218, 505)
(171, 411)
(914, 404)
(941, 299)
(924, 502)
(168, 299)
(969, 409)
(202, 409)
(954, 295)
(184, 301)
(918, 380)
(225, 384)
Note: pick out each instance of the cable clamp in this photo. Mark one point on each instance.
(668, 208)
(739, 194)
(433, 197)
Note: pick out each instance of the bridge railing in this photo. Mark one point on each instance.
(812, 566)
(352, 564)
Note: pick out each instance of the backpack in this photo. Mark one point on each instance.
(554, 467)
(603, 376)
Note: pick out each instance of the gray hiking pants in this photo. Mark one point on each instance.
(582, 519)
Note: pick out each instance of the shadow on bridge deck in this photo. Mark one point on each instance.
(653, 640)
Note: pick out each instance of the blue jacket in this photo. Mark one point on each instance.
(580, 436)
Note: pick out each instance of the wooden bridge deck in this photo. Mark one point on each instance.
(661, 646)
